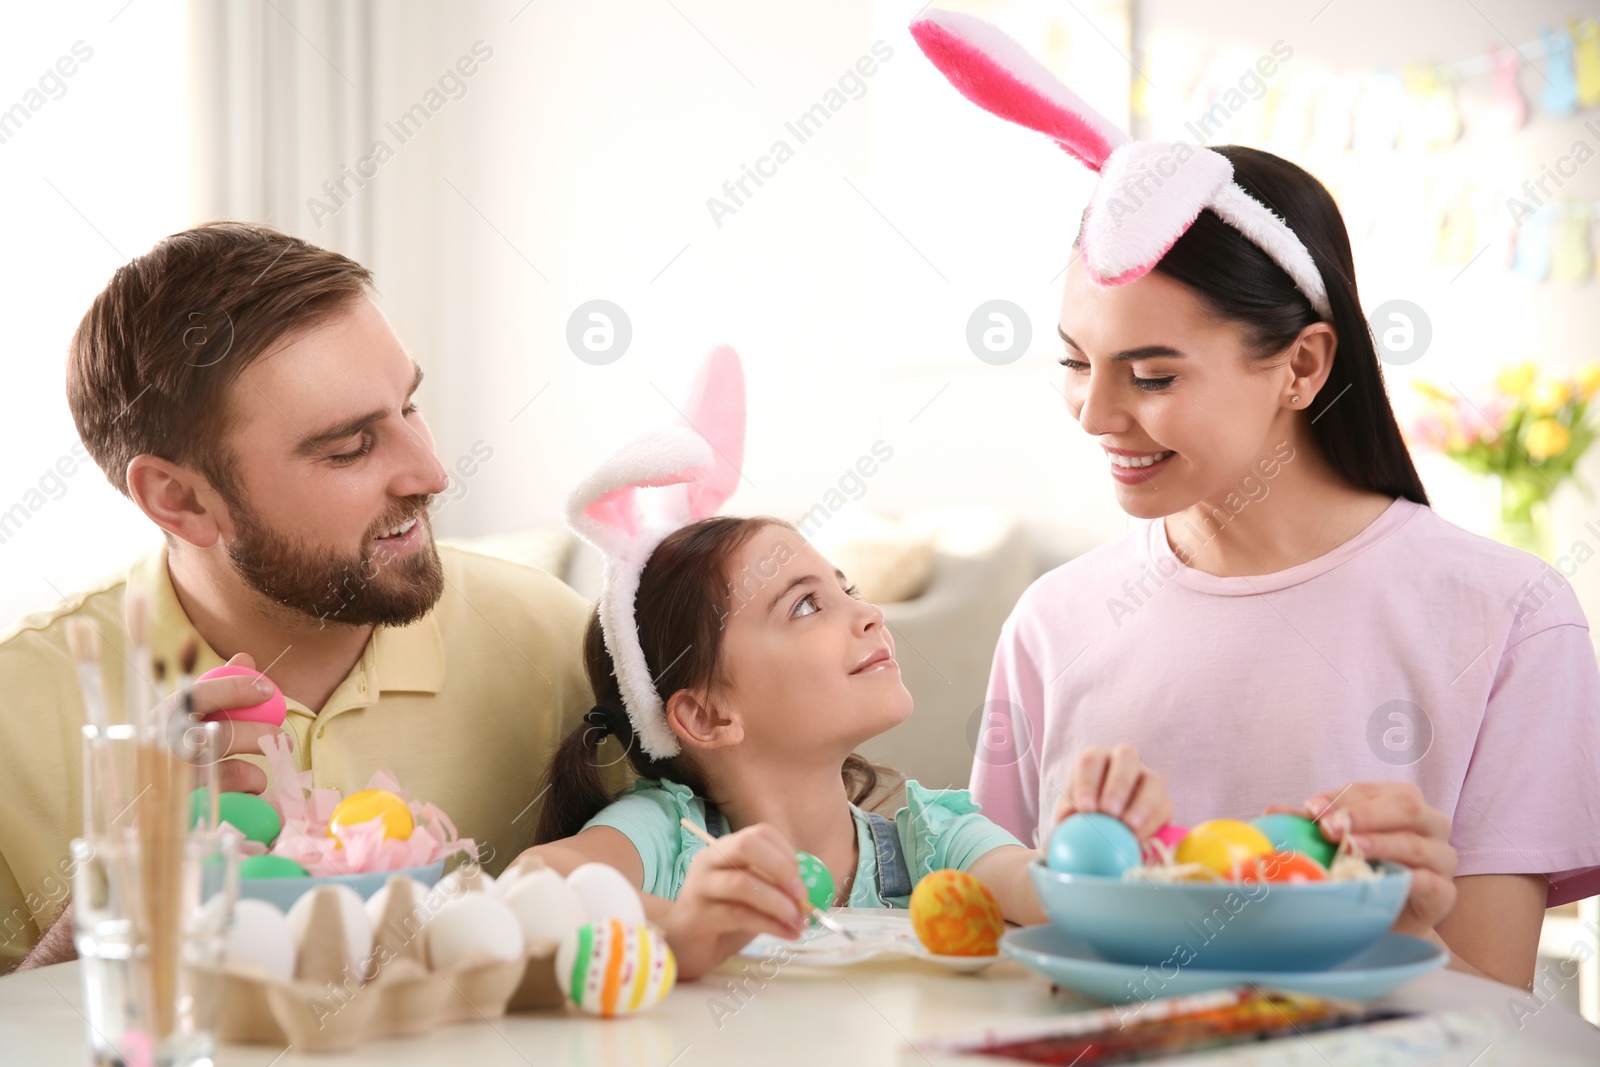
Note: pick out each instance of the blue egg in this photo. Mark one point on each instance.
(1091, 843)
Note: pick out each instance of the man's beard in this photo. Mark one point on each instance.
(372, 588)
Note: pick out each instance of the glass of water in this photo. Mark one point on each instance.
(151, 942)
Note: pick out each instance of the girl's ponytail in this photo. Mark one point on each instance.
(574, 788)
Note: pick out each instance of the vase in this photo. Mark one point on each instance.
(1525, 515)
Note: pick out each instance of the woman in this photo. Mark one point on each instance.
(1289, 617)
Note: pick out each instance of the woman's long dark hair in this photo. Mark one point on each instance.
(683, 600)
(1351, 418)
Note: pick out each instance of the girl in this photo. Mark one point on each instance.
(771, 671)
(1288, 614)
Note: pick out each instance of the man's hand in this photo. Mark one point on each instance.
(238, 738)
(55, 945)
(1113, 781)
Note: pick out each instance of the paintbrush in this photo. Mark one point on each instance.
(188, 654)
(160, 823)
(102, 766)
(823, 918)
(85, 645)
(136, 684)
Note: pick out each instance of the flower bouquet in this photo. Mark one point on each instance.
(1529, 435)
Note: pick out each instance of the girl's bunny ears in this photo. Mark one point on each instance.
(1149, 193)
(605, 511)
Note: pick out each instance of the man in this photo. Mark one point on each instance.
(243, 390)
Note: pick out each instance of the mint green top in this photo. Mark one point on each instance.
(938, 829)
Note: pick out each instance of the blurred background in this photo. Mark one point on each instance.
(566, 205)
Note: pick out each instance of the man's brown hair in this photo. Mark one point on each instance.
(150, 364)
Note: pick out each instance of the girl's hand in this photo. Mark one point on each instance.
(1113, 781)
(748, 883)
(1391, 821)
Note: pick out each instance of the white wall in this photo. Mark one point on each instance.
(578, 165)
(93, 176)
(1482, 316)
(846, 279)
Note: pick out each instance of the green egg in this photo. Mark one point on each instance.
(270, 867)
(1295, 833)
(245, 812)
(817, 879)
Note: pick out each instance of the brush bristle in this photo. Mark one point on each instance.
(83, 639)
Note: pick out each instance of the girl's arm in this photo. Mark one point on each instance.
(1005, 871)
(746, 884)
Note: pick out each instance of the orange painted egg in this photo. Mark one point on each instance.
(954, 914)
(1284, 867)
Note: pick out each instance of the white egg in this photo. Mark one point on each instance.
(261, 937)
(458, 882)
(421, 910)
(507, 879)
(473, 922)
(545, 905)
(357, 930)
(606, 894)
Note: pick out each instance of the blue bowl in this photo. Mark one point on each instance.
(285, 891)
(1254, 926)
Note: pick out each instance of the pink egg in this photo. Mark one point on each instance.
(1168, 835)
(1171, 834)
(270, 711)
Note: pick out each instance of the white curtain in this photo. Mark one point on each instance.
(284, 98)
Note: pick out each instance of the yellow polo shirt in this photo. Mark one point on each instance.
(465, 707)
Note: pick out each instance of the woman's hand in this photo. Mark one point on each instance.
(748, 883)
(1114, 782)
(1391, 821)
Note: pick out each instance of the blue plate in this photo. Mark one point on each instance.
(1386, 965)
(1232, 926)
(285, 891)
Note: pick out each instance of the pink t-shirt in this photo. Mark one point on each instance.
(1415, 651)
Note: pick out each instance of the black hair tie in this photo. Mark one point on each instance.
(606, 719)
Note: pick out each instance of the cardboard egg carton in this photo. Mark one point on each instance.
(334, 1002)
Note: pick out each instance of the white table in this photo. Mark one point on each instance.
(841, 1018)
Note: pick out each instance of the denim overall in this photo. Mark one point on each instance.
(894, 878)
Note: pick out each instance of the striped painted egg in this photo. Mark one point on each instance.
(615, 968)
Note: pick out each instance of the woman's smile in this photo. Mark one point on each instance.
(1135, 468)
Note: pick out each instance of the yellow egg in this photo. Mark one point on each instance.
(1223, 845)
(368, 804)
(954, 914)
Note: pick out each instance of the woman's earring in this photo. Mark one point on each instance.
(1295, 399)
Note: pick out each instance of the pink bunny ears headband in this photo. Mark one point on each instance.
(1149, 192)
(605, 511)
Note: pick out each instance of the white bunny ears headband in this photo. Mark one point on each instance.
(1149, 192)
(605, 511)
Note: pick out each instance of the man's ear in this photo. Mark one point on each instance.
(177, 499)
(699, 724)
